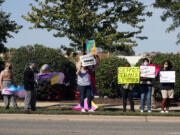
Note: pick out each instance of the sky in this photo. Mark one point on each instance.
(158, 40)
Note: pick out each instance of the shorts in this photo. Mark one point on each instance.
(167, 93)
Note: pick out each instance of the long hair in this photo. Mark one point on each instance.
(170, 66)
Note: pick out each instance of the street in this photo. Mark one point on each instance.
(86, 127)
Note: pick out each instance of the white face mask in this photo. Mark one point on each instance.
(146, 63)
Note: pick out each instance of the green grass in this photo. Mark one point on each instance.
(66, 110)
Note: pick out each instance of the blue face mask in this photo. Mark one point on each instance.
(146, 63)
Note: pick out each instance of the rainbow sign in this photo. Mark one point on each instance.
(91, 47)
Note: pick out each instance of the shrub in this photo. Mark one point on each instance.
(43, 55)
(106, 76)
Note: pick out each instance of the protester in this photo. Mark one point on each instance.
(29, 86)
(84, 86)
(127, 93)
(167, 89)
(153, 93)
(146, 88)
(6, 80)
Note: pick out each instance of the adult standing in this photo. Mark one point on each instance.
(167, 89)
(84, 86)
(153, 92)
(29, 86)
(7, 79)
(127, 93)
(146, 88)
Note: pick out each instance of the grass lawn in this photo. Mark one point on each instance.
(66, 110)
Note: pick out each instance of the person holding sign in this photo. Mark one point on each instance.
(146, 84)
(127, 93)
(166, 85)
(84, 86)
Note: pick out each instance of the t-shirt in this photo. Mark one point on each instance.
(83, 78)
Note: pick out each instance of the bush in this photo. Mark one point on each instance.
(158, 60)
(106, 76)
(43, 55)
(1, 64)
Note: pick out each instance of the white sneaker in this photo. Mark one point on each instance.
(91, 110)
(162, 112)
(141, 111)
(149, 111)
(166, 111)
(83, 110)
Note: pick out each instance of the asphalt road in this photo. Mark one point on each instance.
(86, 127)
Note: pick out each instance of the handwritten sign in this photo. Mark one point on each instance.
(87, 60)
(128, 75)
(167, 76)
(147, 71)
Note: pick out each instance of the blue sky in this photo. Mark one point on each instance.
(154, 29)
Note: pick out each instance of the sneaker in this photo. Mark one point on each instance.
(91, 110)
(142, 111)
(26, 111)
(166, 111)
(149, 111)
(83, 110)
(162, 112)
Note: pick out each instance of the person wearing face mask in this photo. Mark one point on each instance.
(146, 88)
(29, 86)
(167, 89)
(7, 79)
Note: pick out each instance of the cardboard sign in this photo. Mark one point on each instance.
(147, 71)
(128, 75)
(167, 76)
(87, 60)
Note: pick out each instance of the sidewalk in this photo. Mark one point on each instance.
(72, 104)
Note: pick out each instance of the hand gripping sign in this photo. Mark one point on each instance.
(147, 71)
(88, 60)
(128, 75)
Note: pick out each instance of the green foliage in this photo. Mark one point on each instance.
(1, 64)
(7, 27)
(171, 10)
(42, 55)
(106, 76)
(81, 20)
(175, 59)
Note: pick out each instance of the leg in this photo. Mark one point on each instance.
(124, 96)
(27, 99)
(82, 95)
(89, 96)
(149, 90)
(164, 99)
(33, 100)
(6, 101)
(153, 98)
(163, 103)
(131, 100)
(14, 101)
(142, 97)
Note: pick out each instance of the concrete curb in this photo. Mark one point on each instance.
(89, 118)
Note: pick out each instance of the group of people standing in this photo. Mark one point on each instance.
(86, 87)
(7, 79)
(147, 90)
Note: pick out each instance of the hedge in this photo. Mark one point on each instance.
(44, 55)
(106, 76)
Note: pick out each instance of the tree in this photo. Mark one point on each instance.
(6, 28)
(82, 20)
(172, 10)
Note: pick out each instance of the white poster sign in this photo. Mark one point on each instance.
(147, 71)
(88, 60)
(167, 76)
